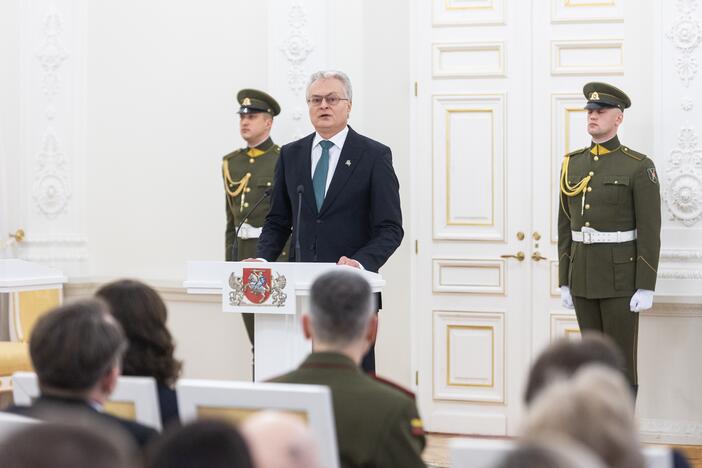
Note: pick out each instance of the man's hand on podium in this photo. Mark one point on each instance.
(350, 262)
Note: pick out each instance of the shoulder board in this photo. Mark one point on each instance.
(234, 153)
(393, 385)
(577, 151)
(633, 154)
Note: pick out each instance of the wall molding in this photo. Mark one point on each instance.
(587, 67)
(669, 431)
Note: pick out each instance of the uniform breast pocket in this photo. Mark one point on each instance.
(263, 182)
(616, 188)
(624, 262)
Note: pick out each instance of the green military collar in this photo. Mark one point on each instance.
(330, 360)
(606, 147)
(266, 145)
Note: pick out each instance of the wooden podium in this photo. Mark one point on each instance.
(280, 343)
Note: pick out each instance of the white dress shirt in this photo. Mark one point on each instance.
(334, 153)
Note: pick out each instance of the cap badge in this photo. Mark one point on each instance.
(246, 102)
(594, 96)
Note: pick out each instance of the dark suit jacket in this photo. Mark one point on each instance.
(360, 217)
(168, 404)
(58, 409)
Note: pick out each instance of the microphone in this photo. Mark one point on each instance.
(235, 244)
(298, 250)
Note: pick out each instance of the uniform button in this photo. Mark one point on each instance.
(596, 158)
(589, 189)
(616, 181)
(268, 184)
(587, 207)
(592, 173)
(252, 160)
(248, 189)
(246, 205)
(631, 259)
(248, 174)
(587, 223)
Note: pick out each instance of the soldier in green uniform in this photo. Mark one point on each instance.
(609, 223)
(248, 173)
(377, 423)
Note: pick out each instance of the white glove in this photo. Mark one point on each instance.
(566, 298)
(641, 300)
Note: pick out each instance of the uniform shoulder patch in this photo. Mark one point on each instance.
(651, 171)
(416, 427)
(633, 154)
(393, 385)
(577, 151)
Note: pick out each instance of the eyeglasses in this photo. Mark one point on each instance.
(332, 100)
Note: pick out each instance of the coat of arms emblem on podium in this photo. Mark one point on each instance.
(257, 286)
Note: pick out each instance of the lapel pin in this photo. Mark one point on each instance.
(348, 163)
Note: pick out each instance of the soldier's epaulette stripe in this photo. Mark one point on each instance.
(236, 152)
(577, 151)
(633, 154)
(393, 385)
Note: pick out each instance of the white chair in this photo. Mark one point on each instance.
(237, 400)
(134, 398)
(11, 423)
(486, 453)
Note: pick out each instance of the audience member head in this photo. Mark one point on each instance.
(142, 314)
(63, 446)
(556, 452)
(76, 350)
(279, 440)
(206, 443)
(594, 408)
(341, 317)
(564, 357)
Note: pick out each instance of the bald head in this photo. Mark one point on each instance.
(279, 440)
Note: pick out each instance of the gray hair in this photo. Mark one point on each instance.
(336, 74)
(341, 305)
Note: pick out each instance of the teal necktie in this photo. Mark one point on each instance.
(319, 179)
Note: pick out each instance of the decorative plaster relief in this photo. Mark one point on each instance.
(683, 194)
(51, 54)
(297, 47)
(51, 190)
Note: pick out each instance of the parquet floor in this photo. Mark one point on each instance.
(436, 453)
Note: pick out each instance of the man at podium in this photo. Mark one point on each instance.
(335, 190)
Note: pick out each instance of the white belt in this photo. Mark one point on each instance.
(591, 236)
(247, 231)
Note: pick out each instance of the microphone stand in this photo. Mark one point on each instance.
(298, 249)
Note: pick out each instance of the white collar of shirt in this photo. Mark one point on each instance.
(334, 152)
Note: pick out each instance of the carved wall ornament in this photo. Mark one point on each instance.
(51, 54)
(297, 48)
(686, 35)
(683, 194)
(51, 190)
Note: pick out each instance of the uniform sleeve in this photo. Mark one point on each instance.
(647, 208)
(404, 440)
(564, 238)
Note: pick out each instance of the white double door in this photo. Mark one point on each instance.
(498, 103)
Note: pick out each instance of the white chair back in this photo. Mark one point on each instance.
(139, 394)
(236, 400)
(486, 453)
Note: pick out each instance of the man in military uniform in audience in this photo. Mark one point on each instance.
(248, 173)
(377, 423)
(609, 223)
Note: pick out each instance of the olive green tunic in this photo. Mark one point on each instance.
(623, 194)
(377, 424)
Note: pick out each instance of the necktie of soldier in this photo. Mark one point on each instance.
(319, 179)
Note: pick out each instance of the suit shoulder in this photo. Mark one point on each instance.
(233, 154)
(374, 145)
(576, 152)
(634, 154)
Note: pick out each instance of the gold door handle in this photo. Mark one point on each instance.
(536, 256)
(519, 256)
